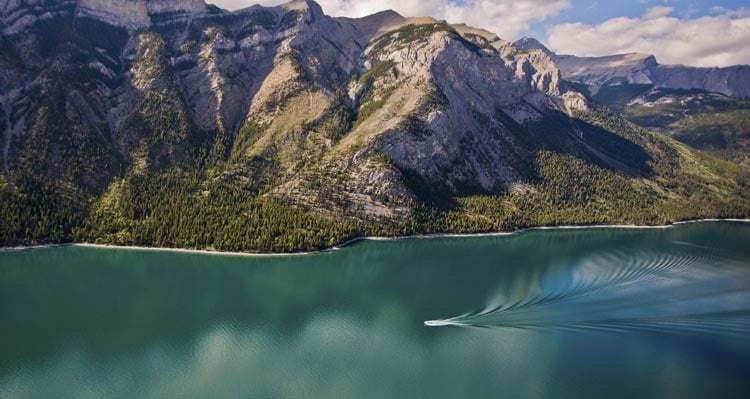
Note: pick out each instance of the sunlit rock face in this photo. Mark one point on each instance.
(134, 14)
(17, 15)
(433, 110)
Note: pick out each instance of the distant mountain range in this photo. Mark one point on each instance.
(706, 108)
(636, 68)
(176, 123)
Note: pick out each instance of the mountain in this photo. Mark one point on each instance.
(635, 68)
(701, 107)
(175, 123)
(706, 121)
(710, 122)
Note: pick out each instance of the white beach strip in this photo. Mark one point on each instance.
(370, 238)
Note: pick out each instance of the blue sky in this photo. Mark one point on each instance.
(692, 32)
(597, 11)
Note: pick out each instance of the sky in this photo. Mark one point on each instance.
(690, 32)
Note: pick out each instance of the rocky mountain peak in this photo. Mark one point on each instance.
(650, 61)
(529, 43)
(376, 23)
(303, 5)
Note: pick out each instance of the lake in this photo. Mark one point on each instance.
(585, 313)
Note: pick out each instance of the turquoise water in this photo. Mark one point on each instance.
(647, 313)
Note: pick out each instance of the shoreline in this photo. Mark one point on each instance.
(367, 238)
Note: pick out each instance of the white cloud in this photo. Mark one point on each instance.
(658, 12)
(507, 18)
(714, 40)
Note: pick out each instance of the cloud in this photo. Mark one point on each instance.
(714, 40)
(507, 18)
(658, 12)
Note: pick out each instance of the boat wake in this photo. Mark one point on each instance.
(691, 290)
(441, 323)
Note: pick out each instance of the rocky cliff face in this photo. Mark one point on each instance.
(425, 94)
(134, 14)
(370, 118)
(637, 68)
(130, 14)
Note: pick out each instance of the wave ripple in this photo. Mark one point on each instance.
(681, 288)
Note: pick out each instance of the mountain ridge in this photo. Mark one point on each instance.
(639, 68)
(283, 129)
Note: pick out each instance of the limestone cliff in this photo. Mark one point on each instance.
(133, 14)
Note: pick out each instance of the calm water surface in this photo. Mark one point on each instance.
(661, 313)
